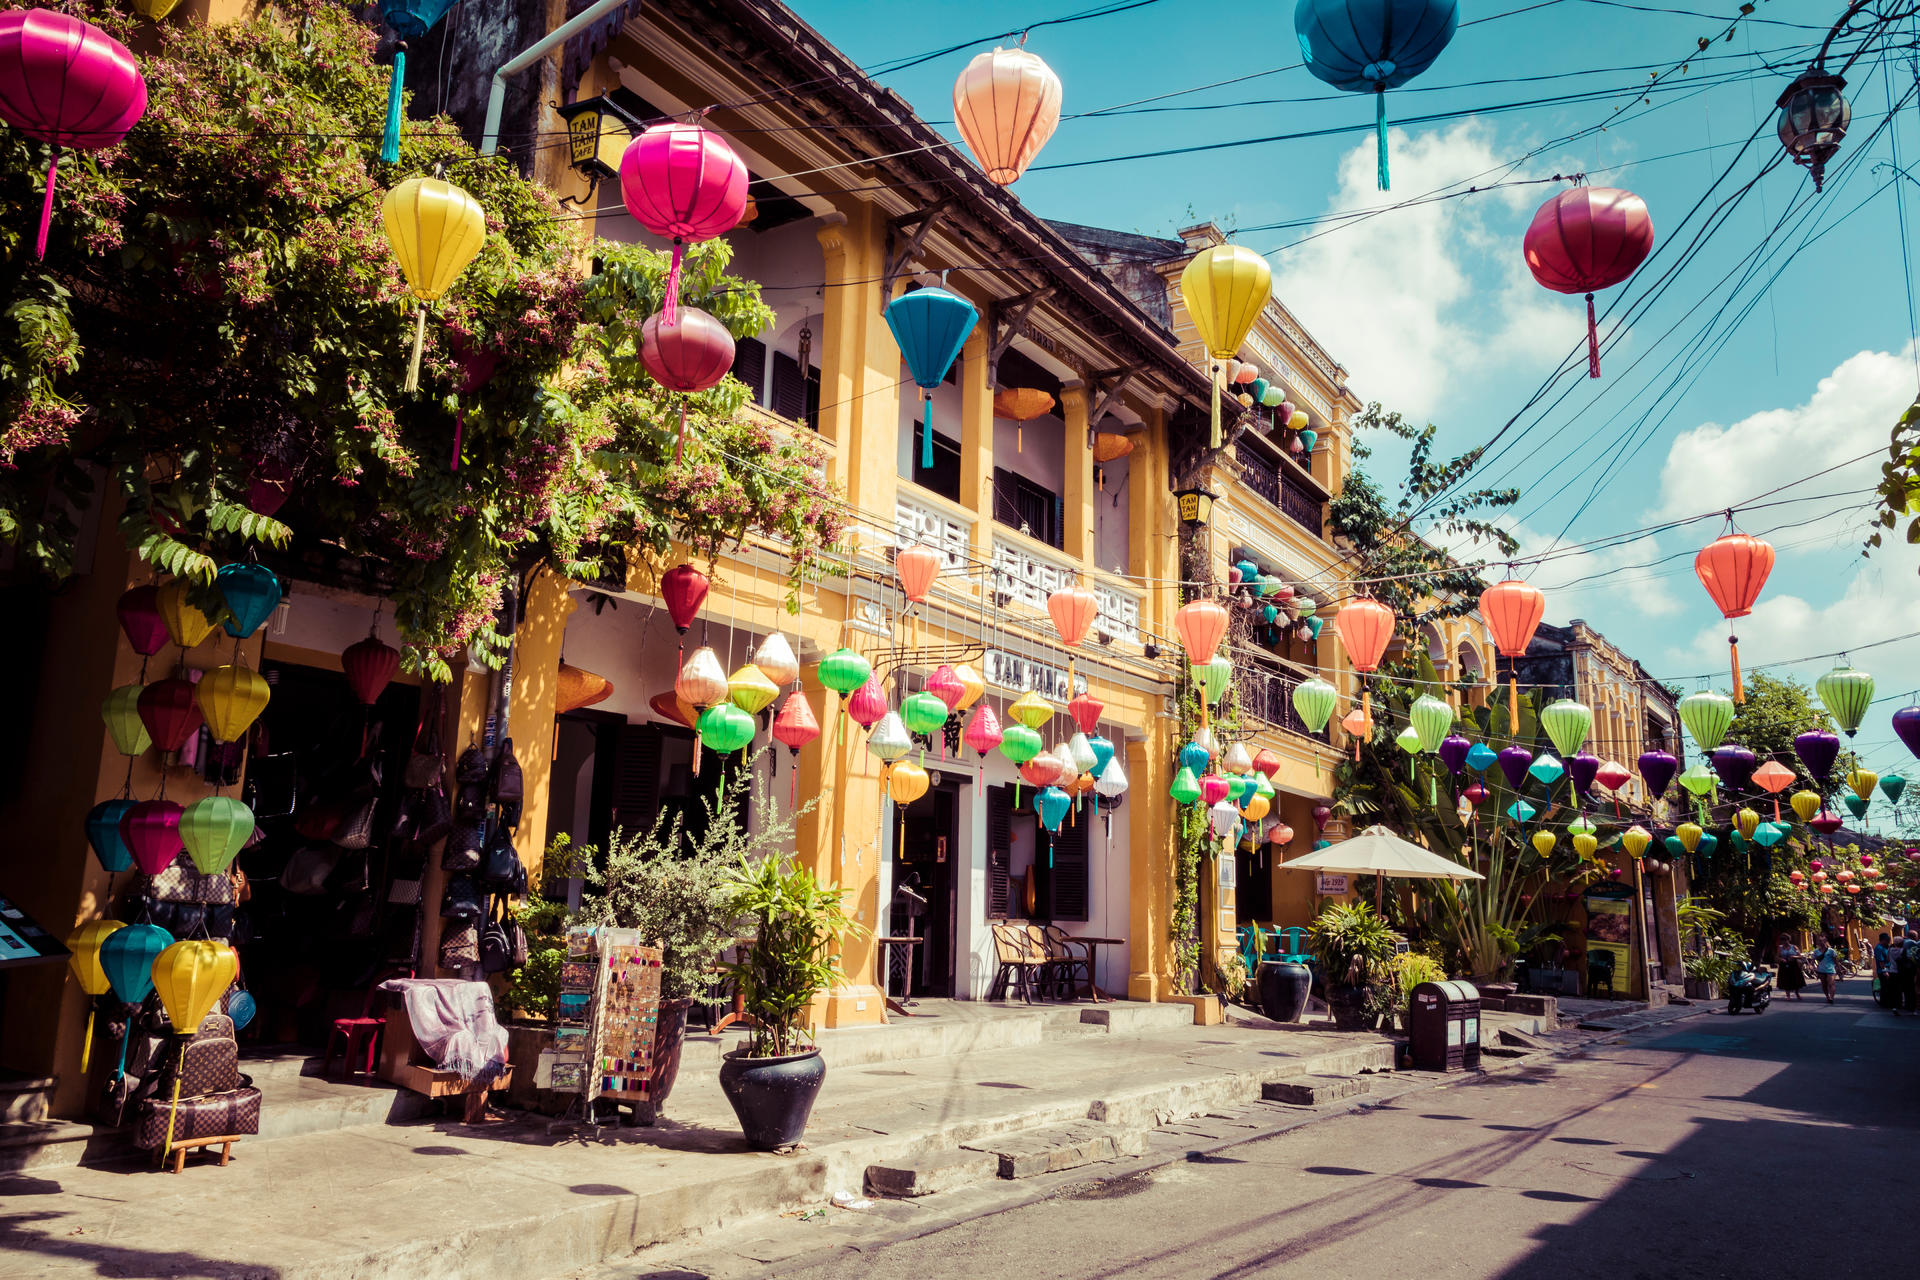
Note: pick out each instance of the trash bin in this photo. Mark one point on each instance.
(1444, 1027)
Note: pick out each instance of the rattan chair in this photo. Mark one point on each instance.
(1018, 969)
(1067, 957)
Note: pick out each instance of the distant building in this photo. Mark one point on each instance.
(1632, 712)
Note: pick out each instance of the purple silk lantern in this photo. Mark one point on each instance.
(1658, 768)
(1453, 753)
(1583, 768)
(1734, 763)
(1513, 763)
(1817, 749)
(1906, 723)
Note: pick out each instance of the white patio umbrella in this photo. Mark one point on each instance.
(1379, 852)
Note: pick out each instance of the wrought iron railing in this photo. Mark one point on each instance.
(1300, 505)
(1268, 696)
(1272, 482)
(1261, 476)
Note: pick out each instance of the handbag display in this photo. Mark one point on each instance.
(464, 848)
(500, 866)
(427, 766)
(496, 951)
(319, 821)
(307, 870)
(233, 1114)
(460, 946)
(432, 816)
(461, 900)
(356, 829)
(472, 767)
(181, 881)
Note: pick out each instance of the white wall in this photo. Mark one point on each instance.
(314, 618)
(1043, 457)
(1111, 522)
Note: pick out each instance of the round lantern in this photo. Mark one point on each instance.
(1707, 716)
(1635, 840)
(1906, 723)
(435, 229)
(917, 567)
(688, 354)
(1313, 702)
(1371, 46)
(1051, 803)
(1019, 744)
(685, 184)
(888, 739)
(231, 698)
(1006, 105)
(369, 666)
(1733, 569)
(1224, 289)
(1567, 724)
(190, 978)
(684, 588)
(1431, 719)
(252, 593)
(1805, 805)
(923, 712)
(187, 624)
(774, 657)
(1892, 786)
(214, 830)
(725, 728)
(930, 326)
(1364, 626)
(982, 733)
(749, 689)
(1587, 239)
(1846, 694)
(1223, 819)
(121, 712)
(170, 712)
(127, 956)
(66, 83)
(1185, 787)
(151, 831)
(907, 782)
(1543, 842)
(103, 835)
(1103, 753)
(1213, 677)
(1201, 625)
(1862, 782)
(1073, 609)
(1267, 762)
(702, 682)
(1358, 723)
(140, 618)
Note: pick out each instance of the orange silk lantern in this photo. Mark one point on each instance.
(1022, 405)
(1364, 626)
(576, 688)
(1775, 777)
(1006, 105)
(1201, 624)
(1074, 609)
(1733, 568)
(917, 566)
(1512, 610)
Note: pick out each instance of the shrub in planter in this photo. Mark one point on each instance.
(1353, 946)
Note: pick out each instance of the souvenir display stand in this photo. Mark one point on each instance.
(604, 1025)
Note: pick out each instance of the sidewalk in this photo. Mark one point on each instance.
(418, 1202)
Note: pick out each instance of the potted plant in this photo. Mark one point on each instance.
(772, 1080)
(1353, 945)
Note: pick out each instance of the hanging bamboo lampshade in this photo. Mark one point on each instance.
(1111, 445)
(575, 688)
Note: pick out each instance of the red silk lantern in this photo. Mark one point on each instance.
(151, 831)
(1268, 762)
(867, 704)
(1201, 625)
(140, 618)
(1364, 626)
(687, 354)
(1586, 239)
(170, 712)
(1041, 771)
(917, 567)
(683, 587)
(369, 666)
(68, 83)
(945, 685)
(1213, 789)
(983, 729)
(1281, 835)
(1612, 775)
(794, 727)
(1734, 568)
(1086, 711)
(685, 184)
(1512, 610)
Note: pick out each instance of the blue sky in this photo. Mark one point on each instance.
(1431, 309)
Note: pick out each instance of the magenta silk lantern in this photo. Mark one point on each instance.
(1586, 239)
(68, 83)
(688, 354)
(151, 832)
(686, 184)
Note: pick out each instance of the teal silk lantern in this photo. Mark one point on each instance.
(1768, 834)
(1371, 46)
(410, 19)
(1308, 438)
(127, 958)
(1480, 755)
(1102, 755)
(1855, 805)
(931, 325)
(103, 833)
(1051, 803)
(1521, 811)
(1708, 843)
(1891, 786)
(1195, 757)
(252, 593)
(1546, 770)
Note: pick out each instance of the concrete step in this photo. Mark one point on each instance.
(60, 1144)
(1314, 1091)
(25, 1097)
(932, 1173)
(1131, 1018)
(1063, 1146)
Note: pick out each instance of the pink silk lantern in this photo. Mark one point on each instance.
(1201, 624)
(151, 831)
(945, 685)
(170, 712)
(983, 730)
(1006, 105)
(685, 184)
(67, 83)
(1074, 609)
(1213, 789)
(917, 567)
(1586, 239)
(690, 354)
(140, 618)
(867, 704)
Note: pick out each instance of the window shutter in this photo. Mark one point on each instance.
(1070, 867)
(813, 397)
(789, 398)
(750, 366)
(1006, 510)
(1056, 536)
(999, 852)
(636, 778)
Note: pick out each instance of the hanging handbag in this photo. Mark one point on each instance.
(181, 881)
(463, 851)
(496, 952)
(307, 870)
(472, 766)
(319, 820)
(426, 767)
(432, 816)
(405, 887)
(470, 801)
(509, 784)
(461, 901)
(356, 831)
(460, 946)
(501, 864)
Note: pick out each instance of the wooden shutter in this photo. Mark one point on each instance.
(1070, 866)
(999, 852)
(636, 778)
(750, 366)
(1006, 509)
(813, 397)
(1057, 535)
(789, 398)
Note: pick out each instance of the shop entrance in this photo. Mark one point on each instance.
(926, 851)
(1032, 875)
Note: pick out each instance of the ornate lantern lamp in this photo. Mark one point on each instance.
(598, 132)
(1814, 116)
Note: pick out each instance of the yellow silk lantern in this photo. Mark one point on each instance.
(907, 782)
(1863, 781)
(231, 699)
(750, 690)
(1585, 845)
(1031, 710)
(155, 9)
(1224, 289)
(971, 684)
(190, 978)
(1635, 840)
(1543, 842)
(121, 711)
(1805, 804)
(83, 957)
(1689, 835)
(1748, 821)
(187, 625)
(435, 229)
(1256, 807)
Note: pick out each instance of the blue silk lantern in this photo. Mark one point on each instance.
(1371, 46)
(1521, 811)
(252, 593)
(1480, 756)
(1195, 757)
(241, 1008)
(1674, 848)
(409, 20)
(127, 958)
(103, 833)
(931, 325)
(1708, 843)
(1102, 754)
(1258, 390)
(1051, 803)
(1547, 770)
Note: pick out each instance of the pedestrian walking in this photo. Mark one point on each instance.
(1792, 975)
(1906, 970)
(1826, 965)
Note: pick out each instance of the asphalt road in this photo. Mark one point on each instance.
(1781, 1144)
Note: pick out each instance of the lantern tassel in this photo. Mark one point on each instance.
(86, 1043)
(174, 1110)
(1380, 137)
(670, 303)
(419, 341)
(46, 207)
(1216, 407)
(926, 437)
(680, 440)
(1513, 701)
(1593, 341)
(1733, 647)
(390, 141)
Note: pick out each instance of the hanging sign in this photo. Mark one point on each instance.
(1329, 885)
(1024, 675)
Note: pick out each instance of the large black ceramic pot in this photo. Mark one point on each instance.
(1283, 989)
(773, 1096)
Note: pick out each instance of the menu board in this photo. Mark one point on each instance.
(22, 941)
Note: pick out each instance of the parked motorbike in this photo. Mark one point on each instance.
(1751, 987)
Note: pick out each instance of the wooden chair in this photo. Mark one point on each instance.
(1017, 969)
(1067, 957)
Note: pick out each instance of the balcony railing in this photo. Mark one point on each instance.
(1273, 482)
(1268, 696)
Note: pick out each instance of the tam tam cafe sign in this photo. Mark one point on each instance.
(1023, 675)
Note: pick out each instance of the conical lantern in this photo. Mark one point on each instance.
(1635, 840)
(1080, 751)
(1708, 716)
(1112, 780)
(1204, 739)
(888, 740)
(1408, 740)
(1612, 775)
(1196, 757)
(1041, 771)
(917, 567)
(702, 681)
(1201, 625)
(1267, 761)
(1431, 719)
(139, 613)
(1805, 804)
(435, 230)
(1086, 711)
(1697, 780)
(749, 689)
(1774, 777)
(170, 712)
(1237, 759)
(1031, 710)
(1358, 723)
(121, 712)
(369, 665)
(1481, 757)
(1006, 105)
(1313, 701)
(103, 834)
(231, 698)
(971, 686)
(1734, 569)
(982, 733)
(1051, 803)
(151, 830)
(907, 782)
(725, 728)
(945, 685)
(1213, 676)
(1224, 289)
(1073, 609)
(186, 623)
(684, 588)
(1223, 820)
(575, 688)
(1891, 786)
(1582, 826)
(127, 956)
(1567, 724)
(1846, 694)
(923, 712)
(1520, 811)
(930, 325)
(1364, 626)
(670, 706)
(1103, 751)
(190, 978)
(795, 725)
(774, 657)
(214, 830)
(252, 593)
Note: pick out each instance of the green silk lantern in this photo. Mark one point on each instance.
(1698, 779)
(1408, 740)
(1708, 716)
(1305, 607)
(1313, 702)
(1020, 744)
(1212, 677)
(1581, 826)
(1891, 786)
(924, 712)
(1846, 694)
(121, 711)
(1239, 787)
(1185, 788)
(1431, 719)
(724, 728)
(214, 830)
(843, 671)
(1567, 724)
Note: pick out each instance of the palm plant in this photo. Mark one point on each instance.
(796, 922)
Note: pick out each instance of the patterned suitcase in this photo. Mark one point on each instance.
(220, 1115)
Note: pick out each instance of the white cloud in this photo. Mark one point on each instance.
(1416, 301)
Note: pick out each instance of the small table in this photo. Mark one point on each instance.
(1093, 988)
(886, 974)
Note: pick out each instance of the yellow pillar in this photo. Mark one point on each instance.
(1077, 457)
(1152, 524)
(1151, 860)
(976, 442)
(536, 670)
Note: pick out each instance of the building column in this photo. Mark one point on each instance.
(1151, 867)
(976, 442)
(1077, 457)
(1153, 525)
(840, 327)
